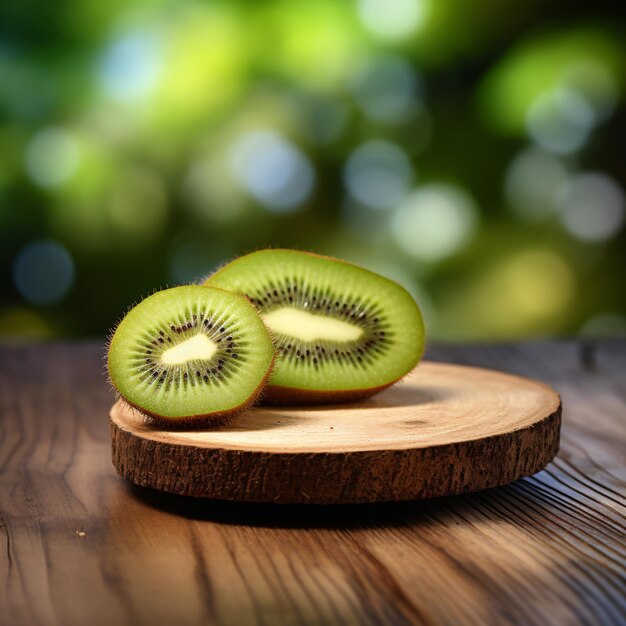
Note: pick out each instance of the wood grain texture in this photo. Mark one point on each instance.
(444, 430)
(79, 545)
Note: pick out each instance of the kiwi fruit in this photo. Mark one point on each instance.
(341, 332)
(190, 354)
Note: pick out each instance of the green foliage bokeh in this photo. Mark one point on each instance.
(471, 151)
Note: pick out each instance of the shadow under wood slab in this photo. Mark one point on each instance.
(444, 430)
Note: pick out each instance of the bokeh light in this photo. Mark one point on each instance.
(535, 72)
(560, 121)
(524, 293)
(597, 82)
(592, 207)
(393, 19)
(378, 174)
(52, 157)
(43, 272)
(313, 45)
(273, 170)
(435, 221)
(534, 182)
(130, 66)
(201, 62)
(387, 88)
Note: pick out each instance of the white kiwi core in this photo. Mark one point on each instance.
(310, 326)
(199, 347)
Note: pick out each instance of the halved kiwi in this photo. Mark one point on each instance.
(190, 354)
(341, 332)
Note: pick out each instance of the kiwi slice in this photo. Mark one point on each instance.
(190, 354)
(341, 332)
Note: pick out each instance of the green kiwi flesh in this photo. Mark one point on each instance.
(341, 332)
(190, 353)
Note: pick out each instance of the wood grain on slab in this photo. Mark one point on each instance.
(79, 545)
(445, 429)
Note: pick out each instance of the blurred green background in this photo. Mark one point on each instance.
(473, 151)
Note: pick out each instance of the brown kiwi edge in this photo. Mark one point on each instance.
(278, 395)
(193, 422)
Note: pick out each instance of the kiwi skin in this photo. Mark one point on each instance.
(189, 422)
(286, 396)
(278, 395)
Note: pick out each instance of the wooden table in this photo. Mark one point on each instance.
(80, 546)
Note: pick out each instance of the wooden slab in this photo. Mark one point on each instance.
(445, 429)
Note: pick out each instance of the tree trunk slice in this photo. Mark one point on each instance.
(444, 430)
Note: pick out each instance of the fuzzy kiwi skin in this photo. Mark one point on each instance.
(278, 395)
(196, 422)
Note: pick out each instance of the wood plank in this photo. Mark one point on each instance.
(79, 545)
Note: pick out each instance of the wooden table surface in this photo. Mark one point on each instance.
(80, 546)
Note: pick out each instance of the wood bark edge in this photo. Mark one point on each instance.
(333, 478)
